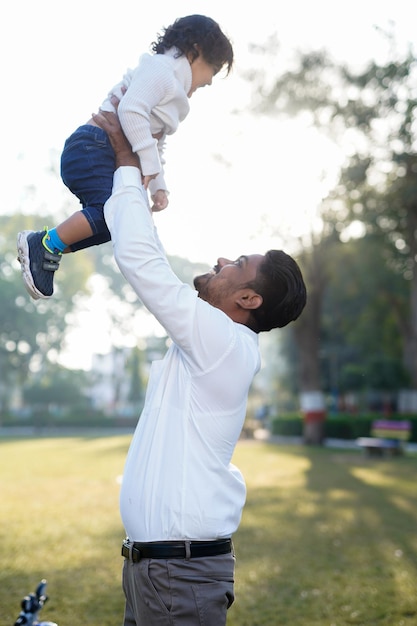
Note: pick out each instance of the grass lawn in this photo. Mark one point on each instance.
(328, 538)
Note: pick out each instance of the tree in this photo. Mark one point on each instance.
(371, 112)
(361, 346)
(378, 185)
(136, 388)
(60, 388)
(27, 332)
(307, 333)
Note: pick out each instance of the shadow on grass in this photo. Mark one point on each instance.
(331, 542)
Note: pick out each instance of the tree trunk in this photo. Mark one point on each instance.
(410, 340)
(313, 408)
(307, 337)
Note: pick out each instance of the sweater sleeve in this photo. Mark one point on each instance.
(152, 83)
(159, 181)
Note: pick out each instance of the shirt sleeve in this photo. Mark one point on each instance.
(203, 332)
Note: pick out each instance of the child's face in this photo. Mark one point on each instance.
(202, 74)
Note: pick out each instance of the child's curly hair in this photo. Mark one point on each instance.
(186, 33)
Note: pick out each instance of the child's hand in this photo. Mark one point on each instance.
(160, 200)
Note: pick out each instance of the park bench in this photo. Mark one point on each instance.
(388, 437)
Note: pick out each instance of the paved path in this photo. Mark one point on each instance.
(262, 434)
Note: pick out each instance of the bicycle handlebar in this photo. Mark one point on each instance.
(31, 605)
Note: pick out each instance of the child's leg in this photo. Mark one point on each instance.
(87, 168)
(66, 237)
(74, 229)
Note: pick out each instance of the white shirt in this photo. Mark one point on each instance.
(156, 101)
(178, 481)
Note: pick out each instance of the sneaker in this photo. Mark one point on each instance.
(38, 263)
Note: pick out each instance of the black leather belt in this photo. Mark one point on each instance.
(135, 551)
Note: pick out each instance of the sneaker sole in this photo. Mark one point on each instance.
(24, 260)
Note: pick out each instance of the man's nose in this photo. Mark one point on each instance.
(222, 261)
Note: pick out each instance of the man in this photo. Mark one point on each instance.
(181, 498)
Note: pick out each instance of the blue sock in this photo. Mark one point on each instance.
(53, 241)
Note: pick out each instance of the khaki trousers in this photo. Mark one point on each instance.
(178, 592)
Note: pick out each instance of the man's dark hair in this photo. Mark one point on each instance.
(280, 283)
(187, 32)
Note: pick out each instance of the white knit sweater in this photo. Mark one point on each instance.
(155, 102)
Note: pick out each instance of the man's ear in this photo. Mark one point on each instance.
(249, 300)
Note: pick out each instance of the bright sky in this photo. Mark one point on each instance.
(228, 175)
(59, 60)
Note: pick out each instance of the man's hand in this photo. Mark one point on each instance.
(109, 122)
(147, 179)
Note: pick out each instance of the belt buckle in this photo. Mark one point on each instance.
(134, 553)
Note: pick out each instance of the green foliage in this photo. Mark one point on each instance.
(340, 426)
(136, 390)
(349, 427)
(59, 387)
(287, 426)
(371, 113)
(361, 347)
(70, 417)
(27, 330)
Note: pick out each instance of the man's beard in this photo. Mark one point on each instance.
(200, 284)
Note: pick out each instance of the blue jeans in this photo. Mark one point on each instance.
(87, 168)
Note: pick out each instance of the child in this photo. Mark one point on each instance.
(153, 101)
